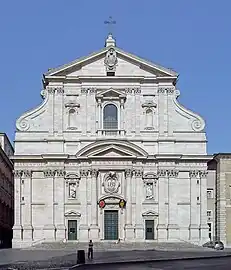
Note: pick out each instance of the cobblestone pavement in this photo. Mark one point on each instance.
(38, 259)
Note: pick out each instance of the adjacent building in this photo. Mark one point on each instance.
(110, 153)
(220, 166)
(6, 192)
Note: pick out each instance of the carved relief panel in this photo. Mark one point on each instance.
(111, 183)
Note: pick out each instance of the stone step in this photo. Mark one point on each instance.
(109, 246)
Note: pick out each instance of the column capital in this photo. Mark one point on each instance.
(162, 172)
(84, 172)
(203, 174)
(49, 173)
(138, 173)
(60, 173)
(17, 173)
(193, 173)
(172, 173)
(26, 173)
(94, 172)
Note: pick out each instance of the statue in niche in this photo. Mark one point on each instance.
(72, 190)
(149, 118)
(111, 183)
(149, 191)
(111, 59)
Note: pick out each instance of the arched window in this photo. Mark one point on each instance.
(149, 118)
(110, 117)
(71, 118)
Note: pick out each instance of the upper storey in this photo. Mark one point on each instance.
(107, 63)
(111, 93)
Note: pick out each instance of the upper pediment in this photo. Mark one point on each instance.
(126, 64)
(111, 148)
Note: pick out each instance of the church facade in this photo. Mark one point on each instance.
(110, 154)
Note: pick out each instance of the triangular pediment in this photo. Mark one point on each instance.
(128, 65)
(110, 93)
(72, 213)
(149, 213)
(112, 148)
(112, 151)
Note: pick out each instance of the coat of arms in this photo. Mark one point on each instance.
(110, 59)
(111, 183)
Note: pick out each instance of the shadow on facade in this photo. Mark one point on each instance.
(6, 236)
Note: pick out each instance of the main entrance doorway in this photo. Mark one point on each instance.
(72, 229)
(110, 224)
(149, 229)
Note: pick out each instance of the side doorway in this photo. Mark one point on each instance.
(72, 230)
(149, 230)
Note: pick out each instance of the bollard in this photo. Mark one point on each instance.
(80, 257)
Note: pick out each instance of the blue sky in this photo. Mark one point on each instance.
(192, 37)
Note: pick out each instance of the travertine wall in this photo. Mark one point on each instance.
(63, 141)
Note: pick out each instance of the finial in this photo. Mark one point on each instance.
(110, 41)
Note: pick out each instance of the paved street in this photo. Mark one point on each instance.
(219, 264)
(34, 259)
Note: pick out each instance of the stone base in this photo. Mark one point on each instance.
(161, 232)
(94, 232)
(60, 232)
(173, 232)
(49, 232)
(17, 232)
(194, 232)
(129, 233)
(139, 232)
(28, 233)
(204, 233)
(83, 233)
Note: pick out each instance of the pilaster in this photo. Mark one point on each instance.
(27, 213)
(59, 201)
(83, 227)
(204, 230)
(162, 195)
(49, 227)
(17, 229)
(173, 227)
(194, 222)
(139, 227)
(129, 228)
(94, 227)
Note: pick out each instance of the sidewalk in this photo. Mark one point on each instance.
(31, 259)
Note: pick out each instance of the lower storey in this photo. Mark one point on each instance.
(110, 228)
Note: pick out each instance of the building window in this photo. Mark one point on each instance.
(209, 193)
(110, 117)
(210, 230)
(209, 213)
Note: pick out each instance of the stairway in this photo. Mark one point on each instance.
(113, 246)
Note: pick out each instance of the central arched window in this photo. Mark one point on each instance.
(110, 117)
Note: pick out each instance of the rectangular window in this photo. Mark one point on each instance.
(209, 213)
(210, 193)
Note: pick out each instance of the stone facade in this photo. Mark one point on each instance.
(221, 165)
(110, 153)
(6, 192)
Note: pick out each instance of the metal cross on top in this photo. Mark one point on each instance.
(110, 23)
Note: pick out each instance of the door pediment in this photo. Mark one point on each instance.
(149, 213)
(72, 213)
